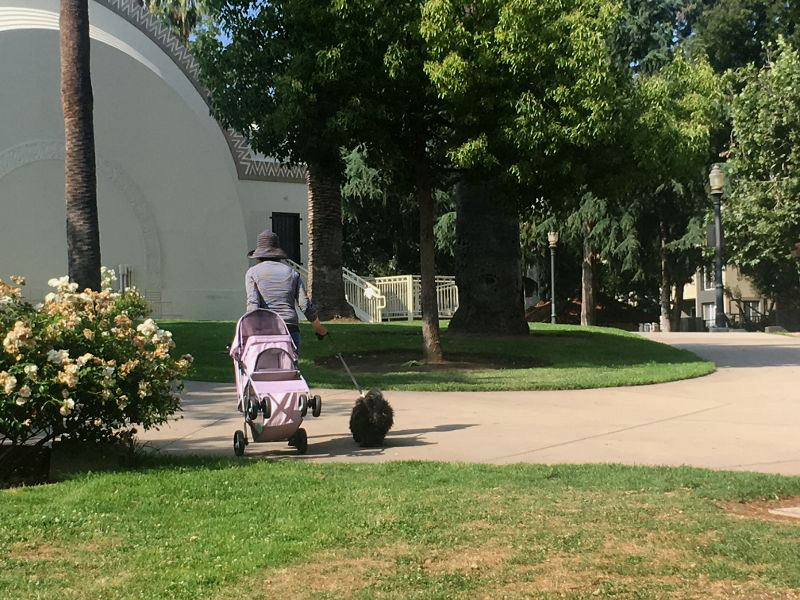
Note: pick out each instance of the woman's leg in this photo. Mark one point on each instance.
(296, 339)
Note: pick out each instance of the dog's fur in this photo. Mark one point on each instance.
(371, 419)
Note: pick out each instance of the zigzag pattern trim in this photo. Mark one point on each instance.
(247, 165)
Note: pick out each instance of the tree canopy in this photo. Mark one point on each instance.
(762, 215)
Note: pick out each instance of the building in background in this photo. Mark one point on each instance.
(180, 198)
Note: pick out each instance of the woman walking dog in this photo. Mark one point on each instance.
(274, 285)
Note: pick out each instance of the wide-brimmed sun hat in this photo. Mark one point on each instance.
(267, 246)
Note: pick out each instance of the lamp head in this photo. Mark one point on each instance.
(716, 179)
(552, 238)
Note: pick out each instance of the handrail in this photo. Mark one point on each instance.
(366, 298)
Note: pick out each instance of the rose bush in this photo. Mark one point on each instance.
(83, 365)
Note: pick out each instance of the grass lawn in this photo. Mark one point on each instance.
(552, 357)
(222, 529)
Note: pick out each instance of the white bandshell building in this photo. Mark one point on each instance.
(180, 199)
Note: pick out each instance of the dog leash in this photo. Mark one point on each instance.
(344, 364)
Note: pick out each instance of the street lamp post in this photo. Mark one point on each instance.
(717, 181)
(552, 238)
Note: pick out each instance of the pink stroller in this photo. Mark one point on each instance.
(272, 395)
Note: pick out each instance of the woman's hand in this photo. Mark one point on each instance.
(319, 328)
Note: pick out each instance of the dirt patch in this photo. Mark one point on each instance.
(759, 509)
(488, 557)
(749, 590)
(35, 552)
(411, 361)
(332, 574)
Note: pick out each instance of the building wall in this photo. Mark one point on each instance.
(170, 201)
(734, 281)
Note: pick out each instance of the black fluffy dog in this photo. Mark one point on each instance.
(371, 419)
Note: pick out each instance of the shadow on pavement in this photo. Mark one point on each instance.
(341, 446)
(745, 356)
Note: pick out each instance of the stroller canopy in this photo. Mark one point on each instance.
(257, 322)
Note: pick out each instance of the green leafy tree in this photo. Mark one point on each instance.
(762, 213)
(282, 80)
(531, 87)
(737, 33)
(678, 109)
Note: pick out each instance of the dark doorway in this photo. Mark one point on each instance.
(287, 226)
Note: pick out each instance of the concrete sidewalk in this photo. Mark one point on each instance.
(743, 417)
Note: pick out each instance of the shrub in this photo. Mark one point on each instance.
(83, 365)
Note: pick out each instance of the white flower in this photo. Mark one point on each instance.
(57, 357)
(108, 371)
(148, 328)
(21, 400)
(27, 422)
(82, 360)
(107, 278)
(66, 407)
(30, 370)
(25, 392)
(10, 384)
(55, 282)
(6, 300)
(51, 297)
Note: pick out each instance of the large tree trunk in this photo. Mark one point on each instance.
(488, 262)
(83, 232)
(588, 313)
(430, 306)
(325, 284)
(666, 285)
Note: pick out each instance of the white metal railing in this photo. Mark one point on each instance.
(365, 298)
(404, 295)
(377, 299)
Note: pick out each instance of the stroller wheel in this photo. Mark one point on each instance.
(303, 405)
(238, 443)
(316, 406)
(266, 408)
(252, 410)
(301, 441)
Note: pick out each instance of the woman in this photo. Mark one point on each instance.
(272, 284)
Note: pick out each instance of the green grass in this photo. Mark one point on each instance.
(218, 529)
(565, 357)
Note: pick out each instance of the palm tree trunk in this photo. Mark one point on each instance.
(325, 284)
(83, 233)
(430, 306)
(488, 262)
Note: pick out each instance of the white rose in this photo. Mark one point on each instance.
(57, 356)
(30, 370)
(10, 384)
(25, 392)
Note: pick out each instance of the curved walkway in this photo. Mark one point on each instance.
(746, 416)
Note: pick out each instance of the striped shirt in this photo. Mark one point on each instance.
(276, 286)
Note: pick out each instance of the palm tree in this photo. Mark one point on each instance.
(182, 15)
(325, 283)
(83, 233)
